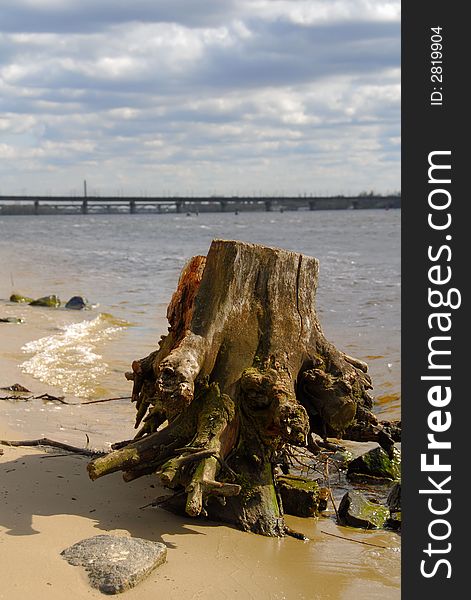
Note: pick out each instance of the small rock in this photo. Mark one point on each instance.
(50, 301)
(394, 497)
(300, 496)
(115, 564)
(355, 510)
(341, 458)
(394, 504)
(11, 320)
(16, 387)
(77, 303)
(394, 521)
(21, 299)
(376, 466)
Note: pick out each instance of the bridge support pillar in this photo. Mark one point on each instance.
(36, 207)
(268, 205)
(85, 207)
(179, 205)
(132, 207)
(223, 204)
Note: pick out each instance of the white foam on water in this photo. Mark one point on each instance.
(71, 359)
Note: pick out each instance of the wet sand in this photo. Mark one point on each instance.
(48, 503)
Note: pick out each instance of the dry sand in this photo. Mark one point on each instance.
(48, 503)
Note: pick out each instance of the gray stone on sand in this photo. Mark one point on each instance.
(115, 564)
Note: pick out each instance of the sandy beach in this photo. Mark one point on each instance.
(48, 503)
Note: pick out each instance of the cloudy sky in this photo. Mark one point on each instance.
(199, 96)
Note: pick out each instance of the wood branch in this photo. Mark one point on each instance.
(106, 400)
(60, 399)
(149, 451)
(347, 539)
(52, 444)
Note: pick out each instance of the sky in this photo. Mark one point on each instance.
(194, 97)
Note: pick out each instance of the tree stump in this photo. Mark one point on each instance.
(244, 373)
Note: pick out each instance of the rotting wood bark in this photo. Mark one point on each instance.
(244, 372)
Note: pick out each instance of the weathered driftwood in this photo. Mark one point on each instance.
(244, 371)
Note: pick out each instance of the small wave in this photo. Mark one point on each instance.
(70, 359)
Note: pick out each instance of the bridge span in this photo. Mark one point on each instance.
(17, 205)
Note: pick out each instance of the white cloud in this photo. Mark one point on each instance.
(299, 95)
(308, 12)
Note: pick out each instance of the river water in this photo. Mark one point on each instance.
(128, 266)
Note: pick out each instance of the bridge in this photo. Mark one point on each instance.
(37, 205)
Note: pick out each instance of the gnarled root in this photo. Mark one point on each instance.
(244, 372)
(180, 458)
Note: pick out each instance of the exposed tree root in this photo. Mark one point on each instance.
(244, 373)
